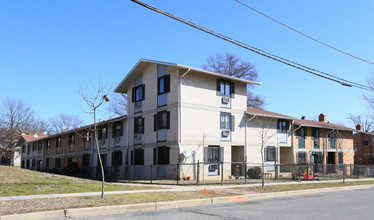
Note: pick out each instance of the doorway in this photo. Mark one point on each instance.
(237, 160)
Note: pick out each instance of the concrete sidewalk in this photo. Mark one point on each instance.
(117, 209)
(170, 188)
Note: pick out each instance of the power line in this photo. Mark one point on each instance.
(305, 35)
(259, 51)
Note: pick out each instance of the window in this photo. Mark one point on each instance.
(85, 160)
(340, 160)
(225, 120)
(301, 132)
(103, 133)
(117, 158)
(103, 160)
(48, 145)
(225, 88)
(117, 129)
(213, 154)
(58, 163)
(23, 149)
(139, 125)
(58, 144)
(139, 156)
(163, 155)
(366, 143)
(138, 93)
(163, 84)
(28, 149)
(301, 157)
(71, 139)
(270, 153)
(282, 126)
(315, 133)
(70, 161)
(162, 120)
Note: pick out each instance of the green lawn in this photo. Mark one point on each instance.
(15, 181)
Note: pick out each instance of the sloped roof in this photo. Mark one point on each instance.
(140, 65)
(33, 137)
(262, 112)
(320, 124)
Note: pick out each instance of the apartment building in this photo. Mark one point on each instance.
(363, 146)
(181, 119)
(323, 143)
(75, 150)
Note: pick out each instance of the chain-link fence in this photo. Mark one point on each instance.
(200, 173)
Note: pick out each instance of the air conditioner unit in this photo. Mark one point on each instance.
(118, 139)
(138, 136)
(225, 133)
(225, 99)
(138, 104)
(212, 167)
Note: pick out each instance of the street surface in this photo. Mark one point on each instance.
(353, 204)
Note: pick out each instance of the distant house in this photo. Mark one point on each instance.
(364, 147)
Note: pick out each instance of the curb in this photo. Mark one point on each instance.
(118, 209)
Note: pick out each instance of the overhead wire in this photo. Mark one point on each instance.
(259, 51)
(305, 35)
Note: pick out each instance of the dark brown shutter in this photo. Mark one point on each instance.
(155, 122)
(143, 125)
(232, 88)
(232, 122)
(114, 130)
(133, 94)
(168, 121)
(135, 121)
(154, 156)
(143, 88)
(167, 83)
(158, 86)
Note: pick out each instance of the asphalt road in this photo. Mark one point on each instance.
(353, 204)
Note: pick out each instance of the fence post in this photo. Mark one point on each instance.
(198, 173)
(221, 173)
(276, 170)
(151, 172)
(178, 173)
(356, 170)
(294, 171)
(344, 172)
(245, 172)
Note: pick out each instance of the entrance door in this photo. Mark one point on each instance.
(237, 159)
(331, 162)
(317, 160)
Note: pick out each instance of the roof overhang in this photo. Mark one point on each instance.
(141, 64)
(270, 116)
(325, 127)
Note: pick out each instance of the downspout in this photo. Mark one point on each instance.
(180, 101)
(293, 142)
(246, 145)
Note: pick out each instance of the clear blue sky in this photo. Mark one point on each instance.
(48, 48)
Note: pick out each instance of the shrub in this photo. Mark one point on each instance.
(254, 173)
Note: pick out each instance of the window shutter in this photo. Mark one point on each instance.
(313, 132)
(305, 132)
(158, 86)
(232, 122)
(278, 122)
(218, 87)
(168, 121)
(143, 88)
(167, 83)
(114, 130)
(155, 122)
(135, 130)
(205, 154)
(265, 154)
(154, 155)
(143, 125)
(100, 134)
(132, 157)
(232, 88)
(133, 94)
(221, 154)
(121, 130)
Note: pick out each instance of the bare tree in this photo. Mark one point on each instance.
(231, 65)
(118, 105)
(94, 101)
(58, 124)
(15, 117)
(366, 122)
(265, 130)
